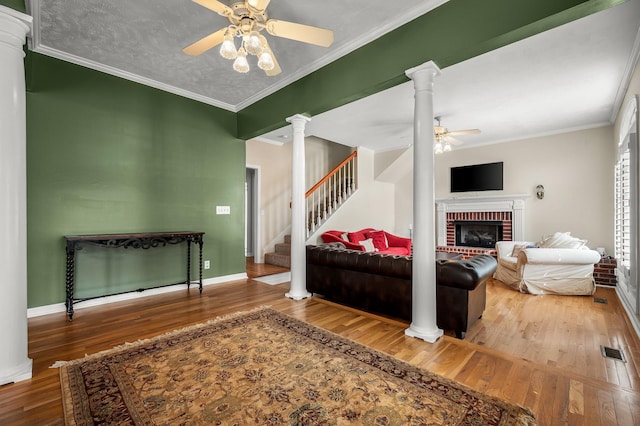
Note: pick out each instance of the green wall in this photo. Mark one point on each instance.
(14, 4)
(106, 155)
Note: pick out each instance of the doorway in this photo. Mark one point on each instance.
(251, 212)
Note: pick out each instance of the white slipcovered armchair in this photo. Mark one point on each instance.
(559, 264)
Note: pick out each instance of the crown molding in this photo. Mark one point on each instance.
(344, 50)
(54, 53)
(35, 44)
(626, 79)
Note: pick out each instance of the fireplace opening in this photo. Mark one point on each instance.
(482, 234)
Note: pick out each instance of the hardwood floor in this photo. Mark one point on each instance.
(542, 352)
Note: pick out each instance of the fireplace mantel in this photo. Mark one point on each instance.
(497, 203)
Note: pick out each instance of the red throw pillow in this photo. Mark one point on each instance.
(379, 239)
(356, 237)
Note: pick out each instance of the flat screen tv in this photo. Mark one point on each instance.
(477, 177)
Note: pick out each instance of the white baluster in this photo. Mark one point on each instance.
(330, 197)
(325, 209)
(313, 212)
(350, 178)
(319, 207)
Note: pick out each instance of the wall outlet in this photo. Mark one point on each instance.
(223, 209)
(207, 264)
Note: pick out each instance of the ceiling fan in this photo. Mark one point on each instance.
(247, 19)
(444, 138)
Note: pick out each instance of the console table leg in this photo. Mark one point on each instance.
(188, 262)
(200, 263)
(70, 278)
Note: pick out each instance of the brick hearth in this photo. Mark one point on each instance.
(509, 210)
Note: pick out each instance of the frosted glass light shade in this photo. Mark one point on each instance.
(252, 44)
(228, 49)
(240, 64)
(266, 62)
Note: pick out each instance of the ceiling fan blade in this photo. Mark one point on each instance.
(259, 5)
(206, 43)
(464, 132)
(216, 6)
(276, 69)
(453, 141)
(299, 32)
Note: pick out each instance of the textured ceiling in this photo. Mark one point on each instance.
(143, 40)
(570, 77)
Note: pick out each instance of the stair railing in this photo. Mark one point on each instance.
(324, 198)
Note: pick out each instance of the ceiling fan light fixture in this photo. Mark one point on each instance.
(241, 64)
(447, 147)
(248, 18)
(252, 43)
(266, 62)
(228, 49)
(437, 148)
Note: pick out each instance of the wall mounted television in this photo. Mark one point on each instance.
(477, 177)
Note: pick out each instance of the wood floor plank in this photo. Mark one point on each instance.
(541, 352)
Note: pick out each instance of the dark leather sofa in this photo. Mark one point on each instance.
(381, 283)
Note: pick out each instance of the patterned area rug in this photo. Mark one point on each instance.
(263, 367)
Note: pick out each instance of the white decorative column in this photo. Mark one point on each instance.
(423, 321)
(15, 364)
(298, 288)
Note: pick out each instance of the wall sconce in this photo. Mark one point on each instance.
(540, 192)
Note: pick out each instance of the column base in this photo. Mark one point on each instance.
(431, 335)
(297, 296)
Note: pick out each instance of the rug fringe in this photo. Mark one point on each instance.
(126, 345)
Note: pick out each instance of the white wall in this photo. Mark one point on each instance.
(575, 168)
(274, 212)
(322, 156)
(274, 161)
(371, 206)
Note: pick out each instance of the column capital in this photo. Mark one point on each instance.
(421, 72)
(298, 118)
(14, 27)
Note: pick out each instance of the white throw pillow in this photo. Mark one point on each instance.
(368, 245)
(562, 240)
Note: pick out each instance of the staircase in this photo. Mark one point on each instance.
(282, 254)
(322, 200)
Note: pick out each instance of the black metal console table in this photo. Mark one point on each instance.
(142, 240)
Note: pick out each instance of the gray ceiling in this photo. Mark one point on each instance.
(143, 40)
(570, 77)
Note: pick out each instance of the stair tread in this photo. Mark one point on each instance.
(283, 248)
(278, 259)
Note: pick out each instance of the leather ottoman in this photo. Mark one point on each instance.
(461, 291)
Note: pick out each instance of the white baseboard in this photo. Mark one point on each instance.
(59, 307)
(18, 373)
(635, 322)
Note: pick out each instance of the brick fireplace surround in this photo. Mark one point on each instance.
(507, 209)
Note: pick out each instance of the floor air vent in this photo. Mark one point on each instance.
(608, 352)
(600, 300)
